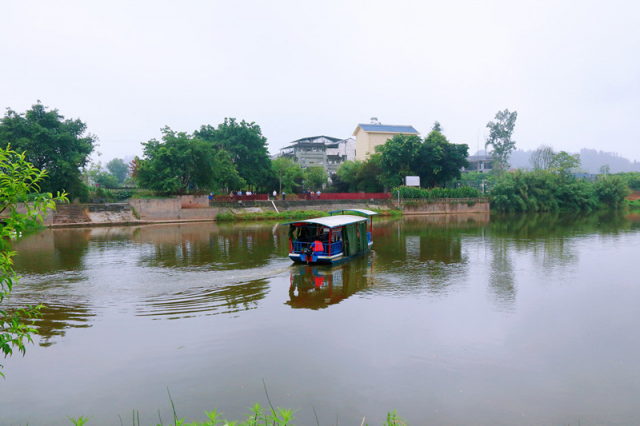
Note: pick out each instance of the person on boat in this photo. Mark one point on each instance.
(317, 247)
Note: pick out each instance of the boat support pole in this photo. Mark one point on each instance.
(274, 206)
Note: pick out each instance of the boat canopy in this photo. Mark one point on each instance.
(331, 221)
(361, 211)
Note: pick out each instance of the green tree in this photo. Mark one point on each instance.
(500, 140)
(400, 158)
(118, 168)
(289, 174)
(51, 143)
(180, 160)
(225, 174)
(440, 161)
(563, 162)
(368, 176)
(348, 174)
(315, 177)
(18, 179)
(437, 127)
(101, 177)
(247, 148)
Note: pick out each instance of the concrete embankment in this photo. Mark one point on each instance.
(199, 208)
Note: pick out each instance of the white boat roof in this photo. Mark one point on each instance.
(332, 221)
(362, 211)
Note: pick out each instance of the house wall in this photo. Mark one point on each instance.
(366, 143)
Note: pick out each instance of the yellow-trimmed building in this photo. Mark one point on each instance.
(368, 136)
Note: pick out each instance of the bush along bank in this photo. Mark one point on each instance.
(543, 191)
(409, 192)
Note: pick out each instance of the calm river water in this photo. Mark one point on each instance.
(451, 320)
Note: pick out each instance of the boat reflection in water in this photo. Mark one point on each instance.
(319, 286)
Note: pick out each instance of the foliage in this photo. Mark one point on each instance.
(18, 178)
(315, 177)
(449, 160)
(50, 143)
(541, 158)
(99, 176)
(364, 176)
(437, 127)
(400, 158)
(611, 191)
(368, 176)
(225, 173)
(563, 162)
(411, 192)
(118, 168)
(182, 162)
(435, 159)
(347, 174)
(500, 140)
(289, 174)
(540, 191)
(632, 179)
(247, 149)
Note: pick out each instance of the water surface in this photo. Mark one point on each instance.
(449, 320)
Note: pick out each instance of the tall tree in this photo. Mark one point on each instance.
(450, 159)
(180, 160)
(246, 146)
(563, 162)
(368, 176)
(348, 174)
(289, 174)
(400, 157)
(61, 147)
(19, 178)
(437, 127)
(500, 140)
(315, 177)
(118, 168)
(541, 158)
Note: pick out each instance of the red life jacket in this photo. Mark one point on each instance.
(317, 246)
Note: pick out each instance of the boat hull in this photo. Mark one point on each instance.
(324, 259)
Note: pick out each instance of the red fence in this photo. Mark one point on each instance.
(309, 196)
(350, 196)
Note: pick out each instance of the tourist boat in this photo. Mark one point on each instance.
(331, 239)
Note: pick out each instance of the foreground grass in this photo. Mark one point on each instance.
(258, 416)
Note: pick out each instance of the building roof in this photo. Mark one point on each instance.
(311, 138)
(386, 128)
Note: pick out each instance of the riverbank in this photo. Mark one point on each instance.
(201, 209)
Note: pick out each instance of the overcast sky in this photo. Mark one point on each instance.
(571, 69)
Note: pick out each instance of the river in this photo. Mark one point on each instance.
(465, 320)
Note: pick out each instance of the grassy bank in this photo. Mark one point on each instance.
(287, 215)
(269, 215)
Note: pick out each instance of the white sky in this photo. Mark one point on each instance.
(298, 68)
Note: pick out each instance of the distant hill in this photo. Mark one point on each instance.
(590, 161)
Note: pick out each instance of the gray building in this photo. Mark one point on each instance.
(323, 151)
(480, 162)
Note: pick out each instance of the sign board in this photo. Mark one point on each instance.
(412, 181)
